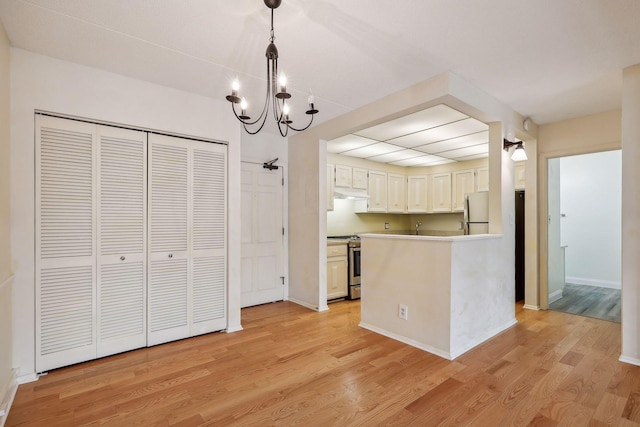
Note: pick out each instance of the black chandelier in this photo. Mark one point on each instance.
(276, 92)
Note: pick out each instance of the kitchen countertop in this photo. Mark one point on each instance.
(433, 238)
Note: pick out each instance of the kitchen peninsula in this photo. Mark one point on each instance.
(454, 290)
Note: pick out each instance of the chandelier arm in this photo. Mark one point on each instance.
(286, 129)
(304, 128)
(245, 122)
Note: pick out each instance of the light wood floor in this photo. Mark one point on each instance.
(591, 301)
(293, 366)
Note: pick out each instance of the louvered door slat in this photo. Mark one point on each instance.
(122, 211)
(65, 236)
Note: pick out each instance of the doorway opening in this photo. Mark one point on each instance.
(584, 234)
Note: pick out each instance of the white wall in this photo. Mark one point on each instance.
(344, 221)
(555, 251)
(590, 199)
(6, 363)
(42, 83)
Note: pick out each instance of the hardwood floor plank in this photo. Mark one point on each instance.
(293, 366)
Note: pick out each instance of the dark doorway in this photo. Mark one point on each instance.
(519, 245)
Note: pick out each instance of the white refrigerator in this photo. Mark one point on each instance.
(476, 213)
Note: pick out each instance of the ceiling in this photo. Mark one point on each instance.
(430, 137)
(549, 60)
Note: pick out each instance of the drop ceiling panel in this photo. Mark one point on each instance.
(468, 151)
(416, 122)
(441, 133)
(372, 150)
(396, 156)
(422, 161)
(348, 142)
(455, 143)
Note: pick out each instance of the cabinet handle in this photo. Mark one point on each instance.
(122, 258)
(170, 255)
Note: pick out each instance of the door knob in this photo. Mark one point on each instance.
(122, 258)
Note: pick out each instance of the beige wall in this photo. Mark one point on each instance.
(5, 230)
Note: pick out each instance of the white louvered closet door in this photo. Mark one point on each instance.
(208, 242)
(65, 236)
(168, 278)
(122, 213)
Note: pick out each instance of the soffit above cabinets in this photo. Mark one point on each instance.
(430, 137)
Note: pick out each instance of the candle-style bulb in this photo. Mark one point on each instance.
(310, 98)
(283, 81)
(235, 85)
(243, 104)
(285, 109)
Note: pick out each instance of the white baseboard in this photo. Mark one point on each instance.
(555, 296)
(324, 307)
(592, 282)
(413, 343)
(531, 307)
(234, 329)
(28, 378)
(483, 338)
(629, 360)
(7, 393)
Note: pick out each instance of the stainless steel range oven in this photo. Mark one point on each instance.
(354, 268)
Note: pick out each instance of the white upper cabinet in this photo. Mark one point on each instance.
(396, 193)
(377, 191)
(519, 176)
(343, 176)
(482, 179)
(441, 192)
(359, 179)
(330, 181)
(463, 183)
(417, 194)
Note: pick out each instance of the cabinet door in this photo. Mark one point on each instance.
(377, 191)
(395, 193)
(330, 181)
(441, 192)
(482, 179)
(417, 194)
(359, 181)
(343, 176)
(463, 183)
(65, 261)
(168, 199)
(337, 278)
(122, 213)
(519, 176)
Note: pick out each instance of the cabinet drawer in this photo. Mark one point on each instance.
(337, 250)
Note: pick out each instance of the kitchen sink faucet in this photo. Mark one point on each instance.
(418, 224)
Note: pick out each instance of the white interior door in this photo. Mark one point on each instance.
(262, 236)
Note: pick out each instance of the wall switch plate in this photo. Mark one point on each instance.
(386, 225)
(403, 312)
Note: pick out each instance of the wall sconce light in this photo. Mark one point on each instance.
(518, 154)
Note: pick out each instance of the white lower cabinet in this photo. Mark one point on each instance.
(109, 244)
(337, 272)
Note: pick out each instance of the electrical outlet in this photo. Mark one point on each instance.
(403, 312)
(386, 225)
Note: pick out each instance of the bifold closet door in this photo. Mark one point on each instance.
(90, 241)
(187, 246)
(65, 256)
(122, 213)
